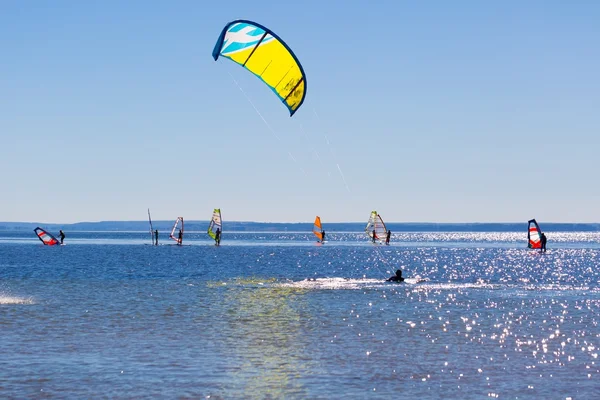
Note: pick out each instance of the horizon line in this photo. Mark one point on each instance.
(289, 222)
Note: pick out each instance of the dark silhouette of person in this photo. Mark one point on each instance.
(156, 237)
(543, 239)
(322, 235)
(218, 237)
(387, 238)
(374, 235)
(396, 278)
(61, 234)
(180, 238)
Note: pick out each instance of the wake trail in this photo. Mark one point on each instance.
(8, 299)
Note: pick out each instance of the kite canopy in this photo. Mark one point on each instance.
(263, 53)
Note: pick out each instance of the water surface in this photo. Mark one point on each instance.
(276, 315)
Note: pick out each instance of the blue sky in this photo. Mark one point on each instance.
(435, 111)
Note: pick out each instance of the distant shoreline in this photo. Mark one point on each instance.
(241, 226)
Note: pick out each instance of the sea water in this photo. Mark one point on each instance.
(277, 315)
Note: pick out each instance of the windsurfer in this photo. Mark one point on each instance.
(387, 238)
(218, 237)
(543, 240)
(374, 235)
(61, 234)
(396, 278)
(180, 238)
(322, 235)
(156, 237)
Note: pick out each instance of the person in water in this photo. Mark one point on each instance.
(61, 234)
(374, 235)
(396, 278)
(218, 237)
(322, 235)
(387, 238)
(156, 237)
(543, 239)
(180, 238)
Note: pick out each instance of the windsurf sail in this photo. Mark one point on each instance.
(534, 240)
(151, 230)
(376, 223)
(175, 232)
(46, 237)
(215, 223)
(317, 228)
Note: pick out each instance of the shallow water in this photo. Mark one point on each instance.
(276, 315)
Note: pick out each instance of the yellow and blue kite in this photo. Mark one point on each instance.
(263, 53)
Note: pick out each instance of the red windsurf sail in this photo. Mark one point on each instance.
(534, 240)
(46, 237)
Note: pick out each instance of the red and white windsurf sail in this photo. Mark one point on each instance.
(46, 237)
(177, 229)
(534, 240)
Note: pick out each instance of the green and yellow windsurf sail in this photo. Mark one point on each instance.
(215, 223)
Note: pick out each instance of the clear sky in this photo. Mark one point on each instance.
(435, 111)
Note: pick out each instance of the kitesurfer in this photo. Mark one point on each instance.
(156, 237)
(180, 238)
(218, 237)
(396, 278)
(543, 239)
(374, 235)
(61, 234)
(322, 235)
(387, 238)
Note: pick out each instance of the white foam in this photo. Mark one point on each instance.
(5, 299)
(332, 283)
(343, 283)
